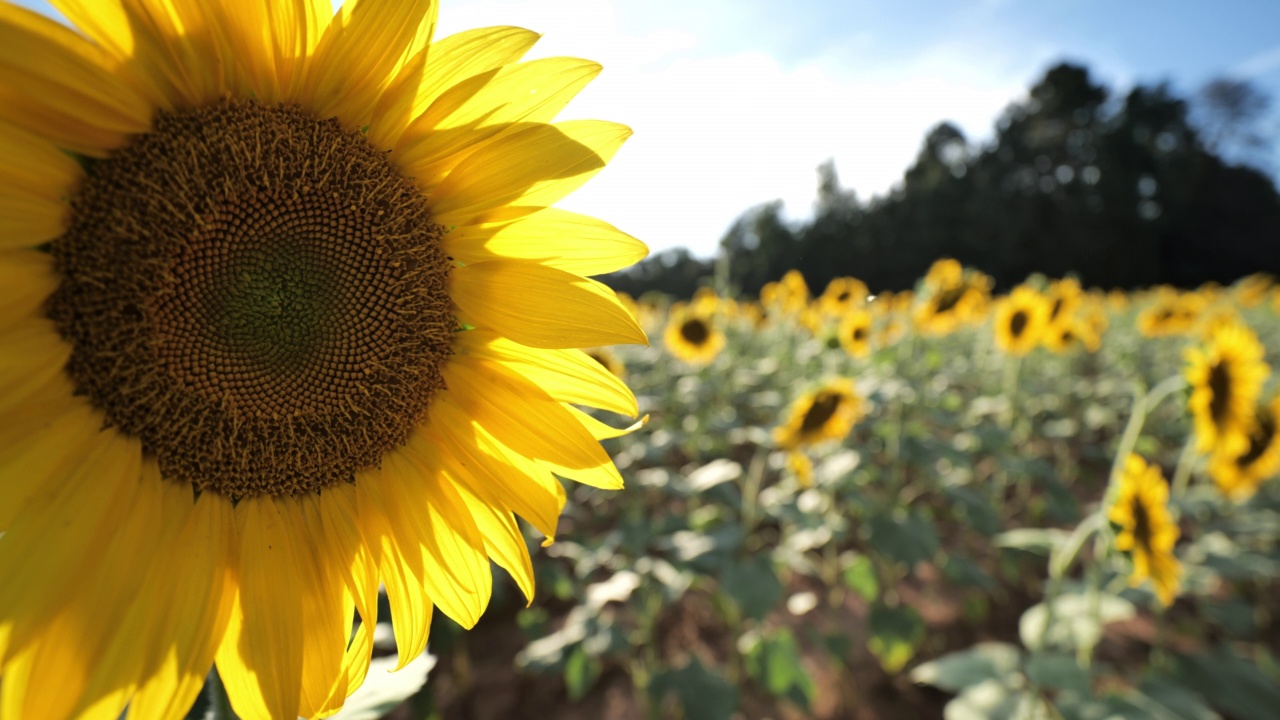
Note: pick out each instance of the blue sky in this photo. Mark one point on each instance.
(735, 102)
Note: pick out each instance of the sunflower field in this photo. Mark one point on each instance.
(1053, 503)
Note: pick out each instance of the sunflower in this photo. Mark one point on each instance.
(800, 466)
(693, 336)
(609, 360)
(1226, 380)
(855, 332)
(842, 295)
(828, 413)
(1238, 474)
(1020, 319)
(286, 315)
(1146, 531)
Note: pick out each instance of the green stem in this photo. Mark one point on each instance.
(751, 491)
(1182, 474)
(219, 702)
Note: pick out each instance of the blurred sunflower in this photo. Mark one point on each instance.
(842, 295)
(828, 413)
(855, 332)
(1146, 530)
(1020, 319)
(1250, 291)
(1064, 297)
(692, 336)
(1226, 380)
(609, 360)
(1239, 474)
(799, 465)
(236, 394)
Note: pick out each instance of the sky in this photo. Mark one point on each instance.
(736, 102)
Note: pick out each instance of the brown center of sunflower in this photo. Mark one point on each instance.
(860, 333)
(820, 411)
(1259, 440)
(1141, 524)
(1220, 391)
(258, 296)
(695, 331)
(1018, 323)
(948, 299)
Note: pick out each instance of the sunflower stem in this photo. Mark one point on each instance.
(1182, 474)
(219, 702)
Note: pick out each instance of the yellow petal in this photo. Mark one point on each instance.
(430, 515)
(197, 571)
(542, 307)
(567, 375)
(260, 657)
(536, 166)
(400, 567)
(601, 431)
(504, 404)
(502, 538)
(27, 221)
(477, 460)
(342, 529)
(34, 166)
(556, 238)
(32, 354)
(327, 610)
(482, 106)
(69, 95)
(40, 445)
(27, 278)
(359, 54)
(433, 70)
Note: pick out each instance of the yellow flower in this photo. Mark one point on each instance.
(1252, 290)
(693, 336)
(239, 245)
(1020, 319)
(801, 467)
(1226, 381)
(855, 332)
(1238, 474)
(843, 294)
(1146, 531)
(828, 413)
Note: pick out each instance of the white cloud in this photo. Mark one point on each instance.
(715, 135)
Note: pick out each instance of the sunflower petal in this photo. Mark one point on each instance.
(567, 375)
(70, 96)
(27, 221)
(27, 278)
(32, 355)
(502, 402)
(359, 53)
(261, 655)
(557, 238)
(34, 166)
(480, 107)
(542, 307)
(535, 165)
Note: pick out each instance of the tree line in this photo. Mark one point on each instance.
(1120, 191)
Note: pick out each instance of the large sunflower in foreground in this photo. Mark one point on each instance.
(828, 413)
(1146, 530)
(285, 315)
(1226, 380)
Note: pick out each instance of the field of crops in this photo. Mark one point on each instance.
(1056, 503)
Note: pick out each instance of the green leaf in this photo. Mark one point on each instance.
(962, 570)
(752, 584)
(1075, 622)
(1230, 683)
(895, 635)
(784, 674)
(860, 577)
(704, 695)
(974, 509)
(1058, 671)
(1181, 703)
(907, 539)
(982, 662)
(580, 673)
(989, 700)
(1032, 539)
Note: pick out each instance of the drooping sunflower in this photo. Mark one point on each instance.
(693, 336)
(1020, 318)
(1226, 380)
(1146, 530)
(285, 315)
(828, 413)
(1239, 474)
(855, 332)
